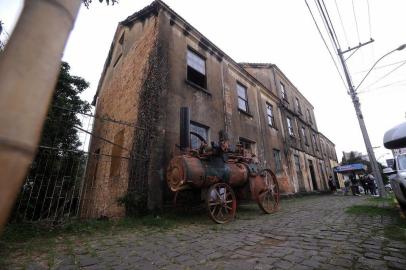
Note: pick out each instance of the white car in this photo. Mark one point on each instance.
(395, 138)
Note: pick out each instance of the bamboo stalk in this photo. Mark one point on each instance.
(29, 67)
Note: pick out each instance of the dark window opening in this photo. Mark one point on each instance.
(297, 165)
(96, 157)
(304, 136)
(121, 40)
(277, 158)
(299, 109)
(248, 145)
(290, 127)
(309, 116)
(315, 143)
(283, 91)
(242, 97)
(118, 59)
(196, 69)
(116, 154)
(269, 113)
(201, 130)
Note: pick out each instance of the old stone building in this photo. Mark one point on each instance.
(158, 63)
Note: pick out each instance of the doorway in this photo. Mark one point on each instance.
(299, 174)
(313, 176)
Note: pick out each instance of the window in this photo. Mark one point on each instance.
(116, 154)
(121, 40)
(322, 147)
(309, 116)
(277, 158)
(283, 91)
(299, 109)
(401, 162)
(196, 69)
(201, 130)
(96, 158)
(304, 136)
(120, 50)
(269, 113)
(297, 165)
(248, 145)
(242, 97)
(290, 128)
(315, 143)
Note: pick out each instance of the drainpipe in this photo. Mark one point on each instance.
(224, 97)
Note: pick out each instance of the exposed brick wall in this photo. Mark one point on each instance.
(119, 98)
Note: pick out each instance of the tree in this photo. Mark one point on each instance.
(59, 164)
(62, 114)
(29, 68)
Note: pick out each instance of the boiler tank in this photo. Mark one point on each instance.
(186, 171)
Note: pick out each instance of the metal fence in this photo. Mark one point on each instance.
(69, 176)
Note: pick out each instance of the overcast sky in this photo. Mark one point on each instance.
(283, 33)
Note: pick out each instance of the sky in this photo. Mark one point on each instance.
(283, 33)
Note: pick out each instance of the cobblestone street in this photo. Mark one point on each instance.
(307, 233)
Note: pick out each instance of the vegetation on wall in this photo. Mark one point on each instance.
(58, 161)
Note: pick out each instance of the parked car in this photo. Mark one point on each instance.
(395, 138)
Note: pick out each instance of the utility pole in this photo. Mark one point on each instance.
(357, 107)
(352, 92)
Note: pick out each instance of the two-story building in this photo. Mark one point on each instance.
(159, 63)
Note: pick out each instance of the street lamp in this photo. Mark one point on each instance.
(357, 107)
(401, 47)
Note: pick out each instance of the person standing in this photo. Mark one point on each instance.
(371, 184)
(347, 184)
(364, 184)
(354, 185)
(331, 184)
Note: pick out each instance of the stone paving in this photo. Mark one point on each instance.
(308, 233)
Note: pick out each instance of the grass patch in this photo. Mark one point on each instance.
(396, 231)
(384, 207)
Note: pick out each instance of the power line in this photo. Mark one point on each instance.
(325, 43)
(398, 83)
(356, 21)
(331, 24)
(379, 67)
(386, 75)
(342, 24)
(369, 19)
(333, 43)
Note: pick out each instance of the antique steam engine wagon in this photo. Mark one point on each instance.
(221, 174)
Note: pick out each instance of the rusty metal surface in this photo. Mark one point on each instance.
(221, 203)
(220, 171)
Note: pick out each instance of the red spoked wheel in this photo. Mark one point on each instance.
(268, 198)
(221, 203)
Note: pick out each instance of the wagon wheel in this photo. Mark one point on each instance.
(268, 199)
(221, 203)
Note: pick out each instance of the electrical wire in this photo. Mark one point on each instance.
(356, 21)
(331, 24)
(342, 24)
(331, 37)
(397, 84)
(379, 67)
(386, 75)
(369, 20)
(325, 43)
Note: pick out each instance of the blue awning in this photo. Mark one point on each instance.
(350, 168)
